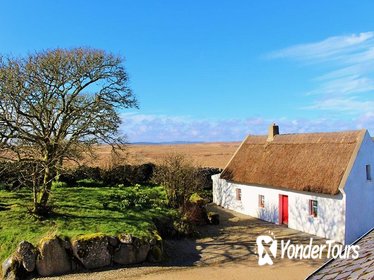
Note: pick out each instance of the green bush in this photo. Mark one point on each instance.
(17, 175)
(72, 176)
(128, 174)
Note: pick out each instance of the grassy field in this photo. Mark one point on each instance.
(80, 210)
(203, 154)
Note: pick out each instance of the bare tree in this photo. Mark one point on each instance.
(180, 177)
(57, 104)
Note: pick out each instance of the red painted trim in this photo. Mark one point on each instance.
(280, 215)
(281, 200)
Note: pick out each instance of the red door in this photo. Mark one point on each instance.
(284, 209)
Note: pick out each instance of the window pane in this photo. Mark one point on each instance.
(368, 172)
(261, 201)
(314, 208)
(238, 194)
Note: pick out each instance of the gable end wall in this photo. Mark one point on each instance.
(359, 193)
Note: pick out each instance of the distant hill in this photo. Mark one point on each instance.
(203, 153)
(167, 143)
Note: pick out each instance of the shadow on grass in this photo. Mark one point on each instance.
(4, 206)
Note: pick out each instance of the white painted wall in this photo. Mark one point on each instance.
(329, 224)
(360, 193)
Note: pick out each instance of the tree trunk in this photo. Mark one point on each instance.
(41, 207)
(47, 184)
(59, 168)
(35, 195)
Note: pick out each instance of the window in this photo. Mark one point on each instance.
(261, 201)
(368, 172)
(238, 194)
(313, 208)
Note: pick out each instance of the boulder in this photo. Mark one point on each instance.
(27, 254)
(213, 218)
(53, 259)
(155, 254)
(131, 250)
(92, 250)
(12, 268)
(113, 241)
(141, 252)
(125, 254)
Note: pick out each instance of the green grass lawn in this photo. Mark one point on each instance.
(80, 210)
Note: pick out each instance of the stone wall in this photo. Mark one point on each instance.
(55, 256)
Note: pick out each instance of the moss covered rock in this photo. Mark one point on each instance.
(125, 254)
(92, 250)
(131, 250)
(141, 252)
(53, 258)
(27, 254)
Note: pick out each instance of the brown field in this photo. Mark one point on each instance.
(203, 154)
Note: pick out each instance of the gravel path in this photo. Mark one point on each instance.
(226, 251)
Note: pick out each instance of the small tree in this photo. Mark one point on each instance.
(180, 178)
(56, 105)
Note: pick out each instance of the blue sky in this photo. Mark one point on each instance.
(218, 70)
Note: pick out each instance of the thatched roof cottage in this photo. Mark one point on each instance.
(319, 183)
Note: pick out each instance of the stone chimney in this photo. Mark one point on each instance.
(273, 130)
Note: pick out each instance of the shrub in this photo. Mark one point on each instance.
(195, 210)
(86, 172)
(128, 174)
(68, 177)
(205, 174)
(144, 173)
(72, 176)
(117, 175)
(15, 175)
(180, 178)
(184, 228)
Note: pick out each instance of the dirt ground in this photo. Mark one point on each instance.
(226, 251)
(203, 154)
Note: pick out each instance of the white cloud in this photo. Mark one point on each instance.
(346, 105)
(346, 85)
(162, 128)
(349, 81)
(329, 49)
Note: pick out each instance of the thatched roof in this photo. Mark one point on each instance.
(313, 162)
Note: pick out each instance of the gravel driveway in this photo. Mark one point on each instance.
(226, 251)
